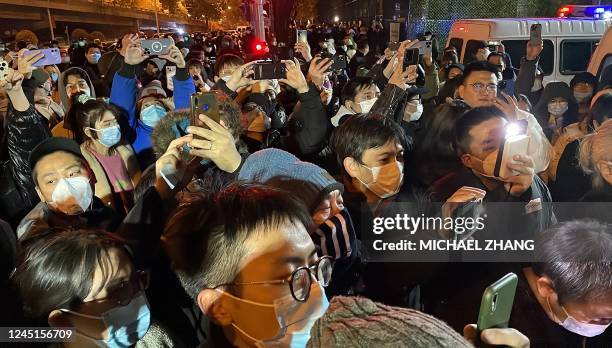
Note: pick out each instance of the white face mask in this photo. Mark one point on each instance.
(295, 319)
(366, 105)
(413, 112)
(70, 191)
(577, 327)
(582, 96)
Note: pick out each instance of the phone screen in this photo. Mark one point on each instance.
(411, 57)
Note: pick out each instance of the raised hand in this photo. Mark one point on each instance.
(175, 56)
(216, 144)
(295, 77)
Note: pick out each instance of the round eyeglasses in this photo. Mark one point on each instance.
(300, 280)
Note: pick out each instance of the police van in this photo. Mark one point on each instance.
(568, 42)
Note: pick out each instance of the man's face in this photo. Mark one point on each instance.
(582, 89)
(227, 70)
(482, 54)
(331, 205)
(498, 62)
(76, 84)
(454, 72)
(53, 167)
(194, 70)
(274, 256)
(479, 89)
(592, 312)
(93, 55)
(362, 95)
(377, 157)
(486, 139)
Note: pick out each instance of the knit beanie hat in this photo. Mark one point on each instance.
(280, 169)
(360, 322)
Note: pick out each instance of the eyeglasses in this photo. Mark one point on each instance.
(123, 293)
(300, 280)
(479, 87)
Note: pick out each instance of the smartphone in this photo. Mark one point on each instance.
(514, 145)
(535, 34)
(394, 46)
(339, 62)
(496, 303)
(156, 47)
(207, 104)
(4, 69)
(51, 56)
(302, 36)
(425, 47)
(411, 57)
(170, 73)
(171, 176)
(269, 71)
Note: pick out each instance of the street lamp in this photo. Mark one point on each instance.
(229, 7)
(336, 19)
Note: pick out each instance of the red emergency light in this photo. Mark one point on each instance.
(565, 11)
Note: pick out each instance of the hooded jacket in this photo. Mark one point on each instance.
(124, 94)
(551, 91)
(61, 86)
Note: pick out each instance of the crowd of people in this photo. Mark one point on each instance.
(137, 223)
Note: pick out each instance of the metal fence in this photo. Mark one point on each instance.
(438, 16)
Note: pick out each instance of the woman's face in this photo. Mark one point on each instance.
(330, 206)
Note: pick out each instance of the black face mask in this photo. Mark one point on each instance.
(336, 236)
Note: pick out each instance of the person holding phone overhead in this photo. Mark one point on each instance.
(144, 110)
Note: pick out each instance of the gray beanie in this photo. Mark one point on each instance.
(280, 169)
(360, 322)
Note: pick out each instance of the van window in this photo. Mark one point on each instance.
(575, 55)
(606, 62)
(458, 44)
(517, 48)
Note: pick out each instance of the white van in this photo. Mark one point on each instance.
(602, 57)
(568, 42)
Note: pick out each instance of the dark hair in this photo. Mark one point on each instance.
(469, 120)
(147, 180)
(195, 62)
(86, 115)
(496, 54)
(363, 132)
(477, 66)
(585, 77)
(478, 45)
(602, 108)
(55, 268)
(205, 239)
(577, 257)
(77, 72)
(226, 60)
(92, 45)
(362, 44)
(353, 86)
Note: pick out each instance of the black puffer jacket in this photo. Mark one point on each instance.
(24, 130)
